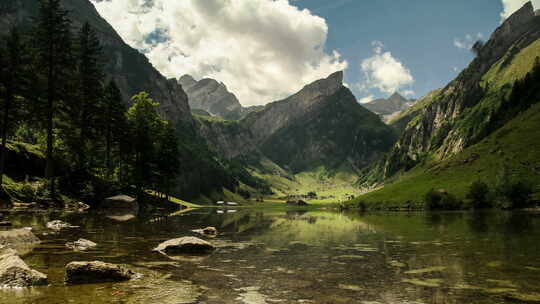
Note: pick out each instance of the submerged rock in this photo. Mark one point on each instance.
(122, 202)
(208, 231)
(59, 225)
(17, 238)
(81, 245)
(185, 245)
(97, 272)
(15, 273)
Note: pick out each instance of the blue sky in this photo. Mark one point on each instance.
(420, 34)
(266, 50)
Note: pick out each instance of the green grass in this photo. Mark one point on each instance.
(175, 200)
(516, 146)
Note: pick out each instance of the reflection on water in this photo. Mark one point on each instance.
(298, 257)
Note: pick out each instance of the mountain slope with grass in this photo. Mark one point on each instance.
(484, 121)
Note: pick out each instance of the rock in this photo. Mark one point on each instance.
(80, 206)
(81, 245)
(121, 216)
(220, 203)
(17, 238)
(5, 224)
(97, 272)
(208, 231)
(232, 204)
(297, 203)
(58, 225)
(185, 245)
(15, 273)
(120, 202)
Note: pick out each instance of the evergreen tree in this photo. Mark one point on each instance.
(167, 159)
(114, 123)
(86, 109)
(52, 39)
(13, 78)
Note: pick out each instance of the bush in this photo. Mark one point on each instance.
(515, 195)
(441, 200)
(479, 195)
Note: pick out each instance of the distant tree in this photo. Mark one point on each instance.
(14, 62)
(477, 47)
(53, 49)
(478, 193)
(114, 123)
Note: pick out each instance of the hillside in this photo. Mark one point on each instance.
(481, 122)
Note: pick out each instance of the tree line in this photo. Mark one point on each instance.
(54, 93)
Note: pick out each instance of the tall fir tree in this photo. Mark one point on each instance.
(167, 159)
(53, 48)
(114, 124)
(86, 108)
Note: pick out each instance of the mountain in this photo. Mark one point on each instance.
(202, 171)
(131, 70)
(321, 125)
(211, 96)
(481, 122)
(388, 108)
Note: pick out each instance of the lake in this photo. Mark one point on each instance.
(279, 256)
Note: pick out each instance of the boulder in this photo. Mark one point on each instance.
(120, 202)
(5, 224)
(232, 204)
(97, 272)
(208, 231)
(18, 237)
(81, 245)
(58, 225)
(14, 273)
(21, 205)
(185, 245)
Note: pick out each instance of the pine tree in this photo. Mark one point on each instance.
(86, 109)
(167, 158)
(14, 80)
(114, 123)
(52, 39)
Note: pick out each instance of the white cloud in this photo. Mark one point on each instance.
(384, 72)
(510, 6)
(263, 50)
(367, 99)
(467, 42)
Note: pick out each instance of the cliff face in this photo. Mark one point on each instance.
(454, 117)
(131, 70)
(228, 139)
(321, 125)
(211, 96)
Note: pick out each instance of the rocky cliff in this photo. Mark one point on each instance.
(321, 125)
(131, 70)
(211, 96)
(456, 116)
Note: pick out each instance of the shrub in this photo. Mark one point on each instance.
(515, 195)
(441, 200)
(478, 193)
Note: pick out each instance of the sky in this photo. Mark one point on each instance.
(266, 50)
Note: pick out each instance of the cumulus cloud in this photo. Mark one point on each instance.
(263, 50)
(384, 72)
(510, 6)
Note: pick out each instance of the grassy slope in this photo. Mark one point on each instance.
(516, 145)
